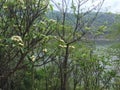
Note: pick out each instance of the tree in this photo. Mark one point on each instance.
(41, 53)
(71, 35)
(23, 29)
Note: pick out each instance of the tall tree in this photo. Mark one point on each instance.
(23, 29)
(70, 35)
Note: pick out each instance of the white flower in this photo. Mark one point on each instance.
(5, 7)
(43, 23)
(61, 40)
(72, 47)
(21, 44)
(52, 20)
(44, 50)
(62, 46)
(33, 58)
(16, 38)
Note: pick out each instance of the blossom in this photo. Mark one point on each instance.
(5, 7)
(33, 58)
(61, 40)
(16, 38)
(52, 20)
(62, 46)
(72, 47)
(21, 44)
(42, 23)
(44, 50)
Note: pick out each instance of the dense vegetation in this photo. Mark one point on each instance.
(41, 49)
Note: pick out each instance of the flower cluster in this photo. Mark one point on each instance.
(33, 58)
(17, 39)
(42, 23)
(44, 50)
(62, 46)
(52, 21)
(73, 47)
(5, 7)
(61, 40)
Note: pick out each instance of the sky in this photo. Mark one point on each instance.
(108, 6)
(112, 6)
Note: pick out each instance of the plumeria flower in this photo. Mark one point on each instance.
(44, 50)
(42, 23)
(21, 44)
(61, 40)
(16, 38)
(72, 47)
(52, 20)
(62, 46)
(33, 58)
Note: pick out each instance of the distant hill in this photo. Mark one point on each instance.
(102, 18)
(107, 19)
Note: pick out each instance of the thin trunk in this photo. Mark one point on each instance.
(46, 83)
(75, 84)
(61, 78)
(65, 68)
(46, 79)
(32, 77)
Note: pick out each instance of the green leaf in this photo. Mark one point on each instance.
(51, 7)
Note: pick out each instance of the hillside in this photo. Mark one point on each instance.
(107, 19)
(102, 18)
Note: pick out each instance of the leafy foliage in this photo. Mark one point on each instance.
(53, 52)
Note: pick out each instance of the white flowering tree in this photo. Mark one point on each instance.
(49, 54)
(70, 36)
(24, 30)
(73, 58)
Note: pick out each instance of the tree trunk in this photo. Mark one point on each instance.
(64, 87)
